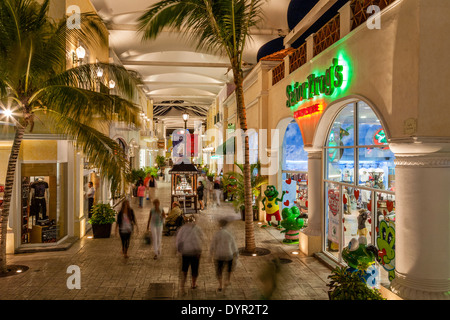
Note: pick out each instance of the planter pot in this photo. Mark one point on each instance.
(101, 230)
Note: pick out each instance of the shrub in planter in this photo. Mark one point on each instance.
(103, 216)
(346, 285)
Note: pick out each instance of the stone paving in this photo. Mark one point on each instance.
(106, 275)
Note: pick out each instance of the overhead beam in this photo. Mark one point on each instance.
(176, 83)
(253, 31)
(177, 64)
(185, 104)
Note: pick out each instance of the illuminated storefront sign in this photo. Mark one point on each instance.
(317, 108)
(316, 85)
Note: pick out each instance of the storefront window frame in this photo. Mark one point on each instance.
(17, 198)
(356, 147)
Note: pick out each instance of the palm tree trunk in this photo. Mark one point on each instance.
(10, 173)
(250, 245)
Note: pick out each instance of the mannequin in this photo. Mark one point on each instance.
(39, 198)
(362, 218)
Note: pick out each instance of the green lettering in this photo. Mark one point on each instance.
(338, 75)
(288, 95)
(311, 86)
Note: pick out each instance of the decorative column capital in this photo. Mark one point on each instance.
(313, 153)
(424, 161)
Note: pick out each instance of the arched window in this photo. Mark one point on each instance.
(359, 167)
(294, 169)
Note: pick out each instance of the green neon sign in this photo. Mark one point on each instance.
(316, 85)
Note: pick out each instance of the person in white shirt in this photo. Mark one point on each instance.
(189, 243)
(224, 250)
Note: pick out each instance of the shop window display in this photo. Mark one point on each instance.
(332, 219)
(43, 202)
(359, 186)
(295, 167)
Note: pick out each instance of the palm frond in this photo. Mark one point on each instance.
(84, 105)
(100, 150)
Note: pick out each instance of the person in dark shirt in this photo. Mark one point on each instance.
(200, 189)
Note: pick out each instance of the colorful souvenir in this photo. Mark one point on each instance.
(293, 221)
(271, 204)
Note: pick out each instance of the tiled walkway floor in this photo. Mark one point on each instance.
(105, 274)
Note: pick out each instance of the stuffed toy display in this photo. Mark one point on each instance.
(361, 258)
(293, 221)
(272, 207)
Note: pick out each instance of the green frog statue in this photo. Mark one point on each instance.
(272, 207)
(293, 221)
(361, 258)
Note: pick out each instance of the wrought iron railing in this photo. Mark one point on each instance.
(327, 35)
(278, 73)
(298, 58)
(359, 9)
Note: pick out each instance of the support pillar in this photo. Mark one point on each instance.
(422, 182)
(310, 241)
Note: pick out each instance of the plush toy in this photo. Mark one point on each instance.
(272, 208)
(293, 221)
(360, 258)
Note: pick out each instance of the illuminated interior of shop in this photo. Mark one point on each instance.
(294, 169)
(355, 174)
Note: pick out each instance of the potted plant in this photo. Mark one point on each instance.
(160, 161)
(346, 285)
(103, 216)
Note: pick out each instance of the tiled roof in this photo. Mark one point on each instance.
(279, 55)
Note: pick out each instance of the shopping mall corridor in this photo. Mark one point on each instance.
(105, 274)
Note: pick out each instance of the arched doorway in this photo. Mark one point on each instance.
(359, 186)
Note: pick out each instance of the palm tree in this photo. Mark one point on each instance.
(35, 85)
(257, 181)
(219, 26)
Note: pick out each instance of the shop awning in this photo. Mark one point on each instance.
(228, 147)
(183, 168)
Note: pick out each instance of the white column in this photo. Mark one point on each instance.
(310, 240)
(314, 193)
(345, 16)
(310, 47)
(422, 257)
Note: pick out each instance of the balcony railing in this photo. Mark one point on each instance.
(278, 73)
(327, 35)
(359, 9)
(298, 58)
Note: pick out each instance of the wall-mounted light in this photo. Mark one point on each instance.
(78, 55)
(99, 72)
(112, 84)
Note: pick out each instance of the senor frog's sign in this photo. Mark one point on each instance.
(317, 84)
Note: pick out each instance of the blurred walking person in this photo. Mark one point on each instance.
(141, 195)
(225, 252)
(189, 243)
(126, 221)
(200, 191)
(217, 191)
(155, 224)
